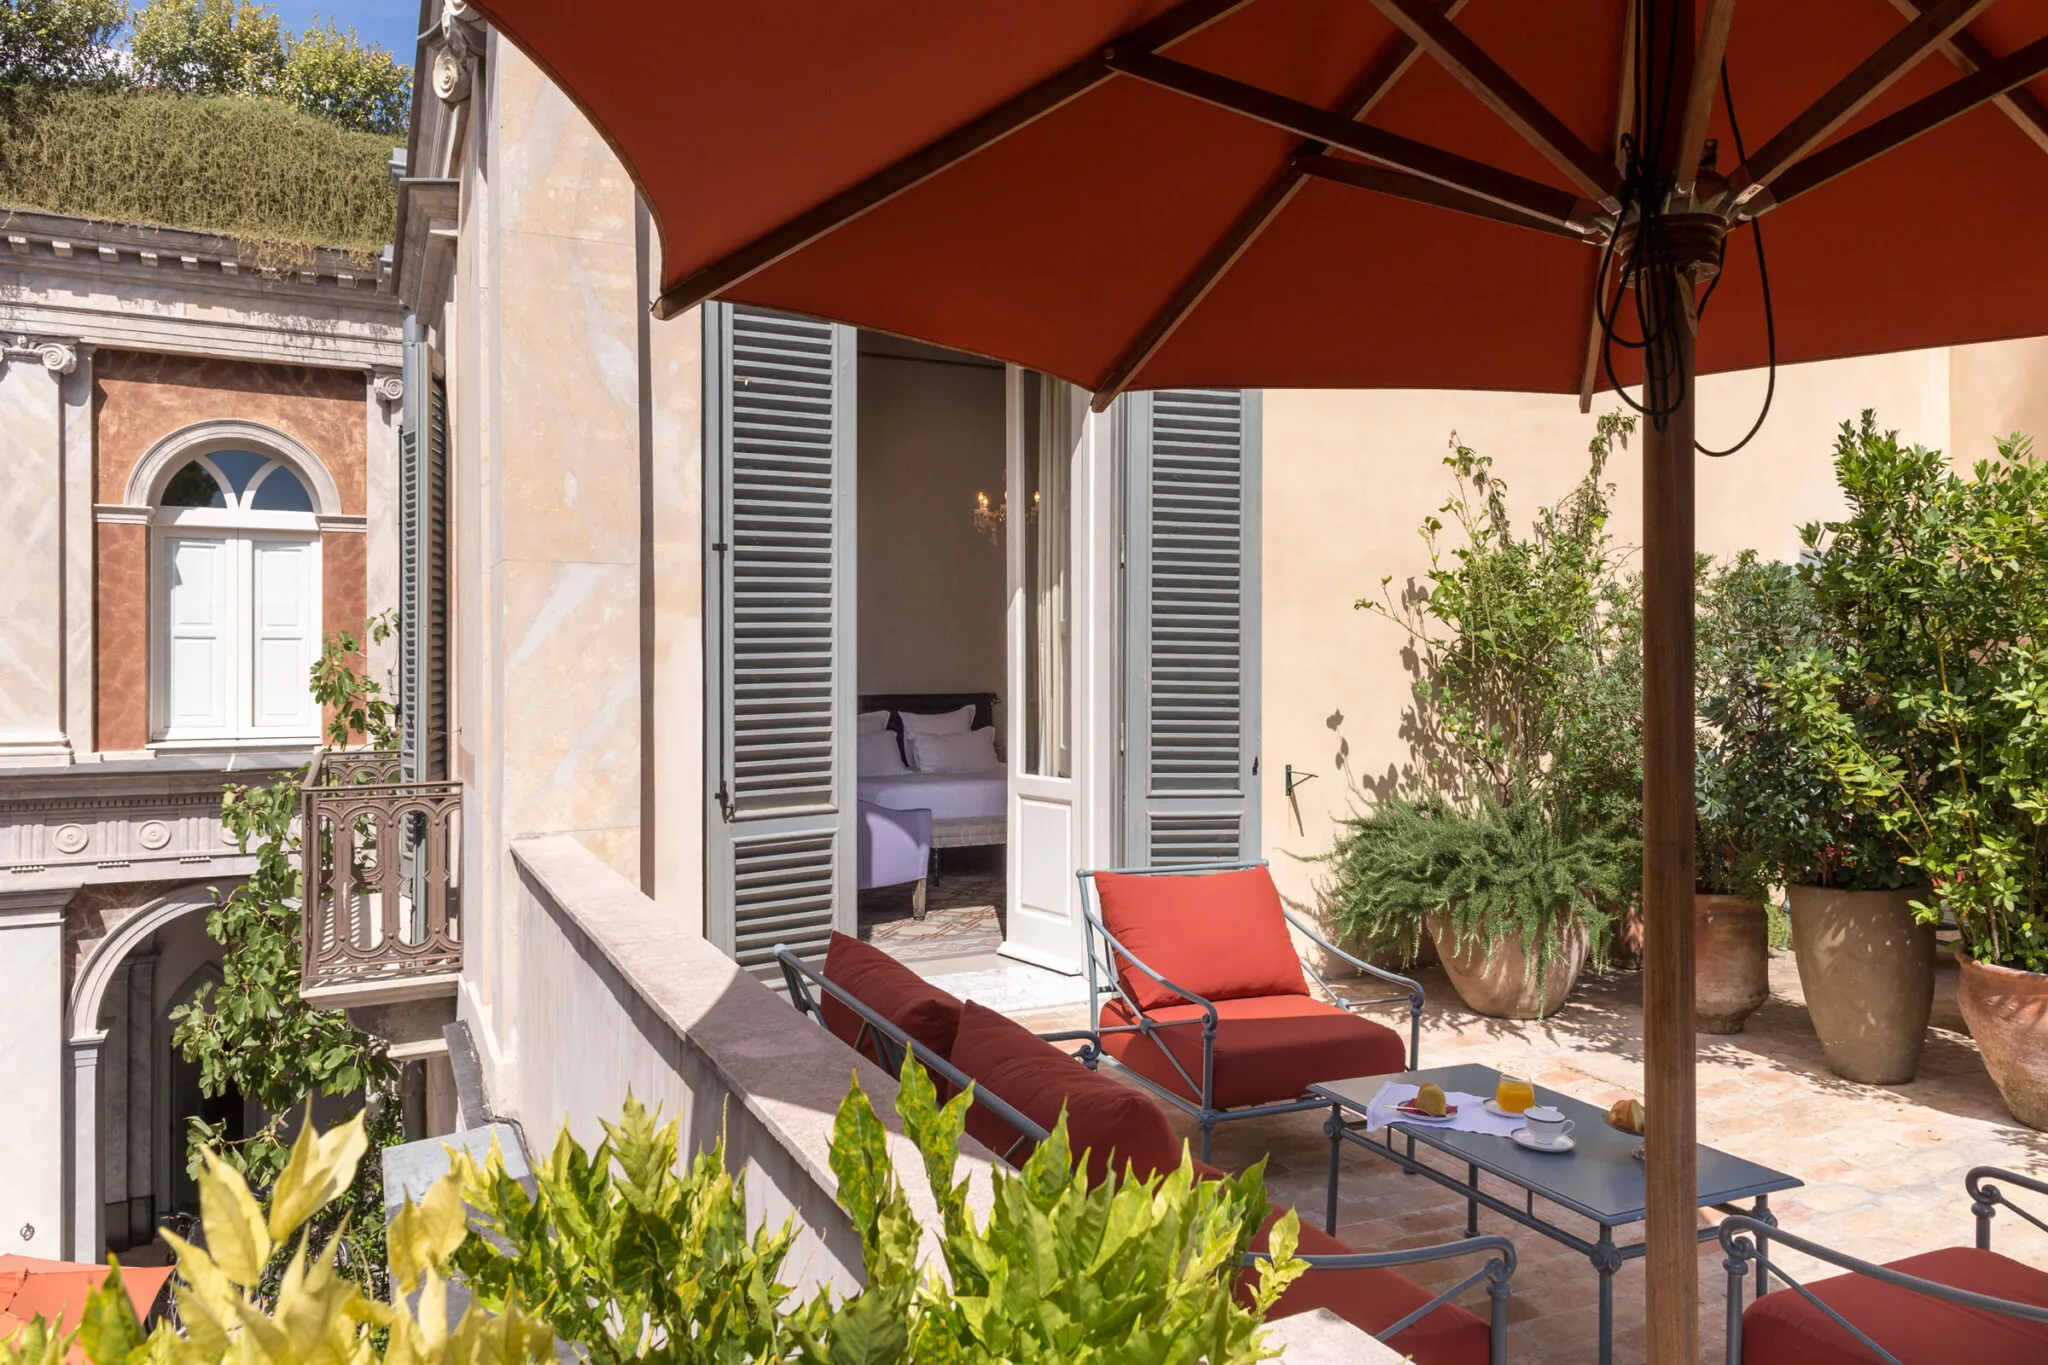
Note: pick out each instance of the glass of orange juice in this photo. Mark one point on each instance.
(1514, 1094)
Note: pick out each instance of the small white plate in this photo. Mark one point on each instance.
(1403, 1116)
(1520, 1137)
(1493, 1107)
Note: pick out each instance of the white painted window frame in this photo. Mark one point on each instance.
(241, 528)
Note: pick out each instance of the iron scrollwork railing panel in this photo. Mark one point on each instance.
(382, 901)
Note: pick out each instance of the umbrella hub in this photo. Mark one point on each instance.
(1688, 243)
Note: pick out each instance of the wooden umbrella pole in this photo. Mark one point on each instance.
(1671, 1204)
(1668, 1098)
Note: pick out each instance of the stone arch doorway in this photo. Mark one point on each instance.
(125, 1148)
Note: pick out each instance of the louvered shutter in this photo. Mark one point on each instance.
(779, 620)
(423, 567)
(1191, 715)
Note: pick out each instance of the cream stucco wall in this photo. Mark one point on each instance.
(930, 435)
(1350, 475)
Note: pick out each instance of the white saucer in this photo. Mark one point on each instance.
(1520, 1137)
(1493, 1107)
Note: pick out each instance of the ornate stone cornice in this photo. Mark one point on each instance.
(58, 357)
(388, 385)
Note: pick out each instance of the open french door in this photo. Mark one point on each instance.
(779, 632)
(1190, 790)
(1062, 681)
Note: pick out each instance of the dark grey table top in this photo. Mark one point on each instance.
(1599, 1178)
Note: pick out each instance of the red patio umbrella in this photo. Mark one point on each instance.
(1365, 193)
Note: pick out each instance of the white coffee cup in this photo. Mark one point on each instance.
(1548, 1127)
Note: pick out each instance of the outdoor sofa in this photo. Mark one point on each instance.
(1959, 1304)
(1204, 1000)
(882, 1009)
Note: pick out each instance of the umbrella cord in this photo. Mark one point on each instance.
(1657, 307)
(1763, 274)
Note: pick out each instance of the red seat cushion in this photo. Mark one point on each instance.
(1218, 934)
(1114, 1123)
(1368, 1299)
(890, 989)
(1267, 1050)
(1782, 1328)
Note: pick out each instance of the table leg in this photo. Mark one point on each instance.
(1472, 1205)
(1334, 1126)
(1762, 1214)
(1606, 1260)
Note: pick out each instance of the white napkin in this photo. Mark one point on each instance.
(1472, 1117)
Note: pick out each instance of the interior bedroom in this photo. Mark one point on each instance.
(932, 653)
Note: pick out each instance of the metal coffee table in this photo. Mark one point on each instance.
(1600, 1179)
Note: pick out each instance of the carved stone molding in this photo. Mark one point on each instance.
(88, 827)
(58, 357)
(461, 47)
(388, 385)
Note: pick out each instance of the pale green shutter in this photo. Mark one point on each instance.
(779, 619)
(1191, 608)
(423, 566)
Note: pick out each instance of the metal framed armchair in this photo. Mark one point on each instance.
(1914, 1311)
(1365, 1288)
(1213, 1012)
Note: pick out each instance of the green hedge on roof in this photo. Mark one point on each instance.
(278, 178)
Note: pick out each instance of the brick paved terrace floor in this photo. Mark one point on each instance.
(1883, 1165)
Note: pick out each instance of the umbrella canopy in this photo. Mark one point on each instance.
(1366, 193)
(1031, 182)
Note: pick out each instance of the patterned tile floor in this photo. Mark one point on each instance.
(963, 911)
(1883, 1165)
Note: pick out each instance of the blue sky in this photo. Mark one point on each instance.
(393, 23)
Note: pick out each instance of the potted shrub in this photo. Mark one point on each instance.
(1517, 845)
(1925, 710)
(1511, 896)
(1751, 783)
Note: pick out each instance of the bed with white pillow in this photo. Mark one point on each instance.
(935, 751)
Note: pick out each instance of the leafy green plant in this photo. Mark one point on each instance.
(234, 47)
(1768, 812)
(316, 1315)
(60, 42)
(1511, 626)
(638, 1263)
(1505, 871)
(1925, 707)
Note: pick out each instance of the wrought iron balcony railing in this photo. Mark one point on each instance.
(380, 873)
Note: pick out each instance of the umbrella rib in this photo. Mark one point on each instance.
(1699, 102)
(1402, 185)
(1896, 130)
(1970, 55)
(1935, 25)
(1388, 66)
(1531, 197)
(1468, 63)
(1013, 114)
(1624, 110)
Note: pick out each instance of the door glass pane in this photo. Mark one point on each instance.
(195, 629)
(1048, 570)
(282, 634)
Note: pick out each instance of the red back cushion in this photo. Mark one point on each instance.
(1114, 1123)
(1218, 934)
(891, 990)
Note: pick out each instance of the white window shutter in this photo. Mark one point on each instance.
(779, 632)
(283, 625)
(198, 634)
(1191, 720)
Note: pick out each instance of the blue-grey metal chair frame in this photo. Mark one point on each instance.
(892, 1043)
(1104, 951)
(1739, 1241)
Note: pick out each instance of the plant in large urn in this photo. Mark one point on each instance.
(1752, 783)
(1925, 707)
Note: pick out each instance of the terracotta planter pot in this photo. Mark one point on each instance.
(1868, 972)
(2007, 1011)
(1731, 962)
(1496, 981)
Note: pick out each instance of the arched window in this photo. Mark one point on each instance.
(236, 610)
